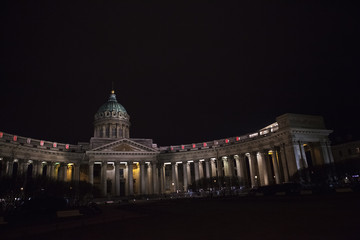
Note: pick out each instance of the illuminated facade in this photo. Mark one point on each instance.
(124, 166)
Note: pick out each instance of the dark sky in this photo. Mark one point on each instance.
(184, 72)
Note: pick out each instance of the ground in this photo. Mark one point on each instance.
(277, 217)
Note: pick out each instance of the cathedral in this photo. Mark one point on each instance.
(123, 166)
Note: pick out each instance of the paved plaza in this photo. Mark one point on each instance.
(277, 217)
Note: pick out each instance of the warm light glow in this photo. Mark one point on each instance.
(54, 144)
(237, 138)
(227, 140)
(67, 146)
(41, 143)
(205, 144)
(253, 135)
(1, 134)
(194, 145)
(167, 163)
(15, 138)
(182, 147)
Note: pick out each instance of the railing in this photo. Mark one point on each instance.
(220, 142)
(41, 144)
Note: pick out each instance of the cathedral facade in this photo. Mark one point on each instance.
(123, 166)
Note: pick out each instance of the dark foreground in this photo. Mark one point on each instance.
(278, 217)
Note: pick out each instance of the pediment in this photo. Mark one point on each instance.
(123, 148)
(124, 145)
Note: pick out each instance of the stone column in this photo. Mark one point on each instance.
(188, 166)
(64, 172)
(252, 164)
(230, 160)
(149, 182)
(283, 159)
(142, 178)
(117, 178)
(35, 169)
(91, 172)
(304, 163)
(3, 167)
(276, 167)
(225, 163)
(104, 178)
(219, 167)
(59, 175)
(130, 178)
(126, 180)
(268, 168)
(155, 179)
(185, 176)
(238, 169)
(161, 176)
(51, 170)
(196, 170)
(213, 168)
(174, 176)
(331, 157)
(264, 177)
(296, 156)
(103, 131)
(207, 168)
(21, 167)
(201, 170)
(325, 153)
(77, 172)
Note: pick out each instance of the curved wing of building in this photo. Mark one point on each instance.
(122, 166)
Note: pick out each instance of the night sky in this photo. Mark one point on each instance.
(184, 72)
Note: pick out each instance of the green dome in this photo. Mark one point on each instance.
(112, 105)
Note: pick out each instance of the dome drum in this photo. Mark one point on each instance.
(111, 120)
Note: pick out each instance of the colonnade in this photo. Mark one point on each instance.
(251, 169)
(31, 168)
(109, 130)
(140, 178)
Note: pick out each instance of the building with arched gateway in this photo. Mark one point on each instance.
(122, 166)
